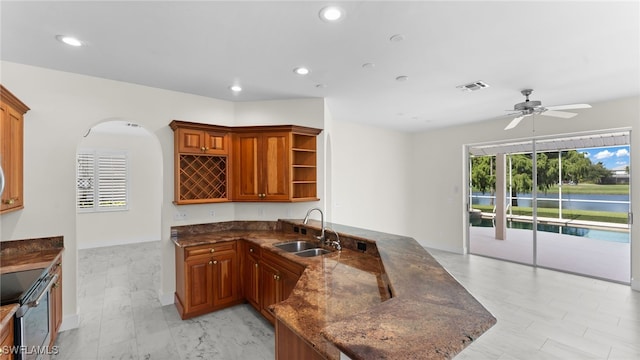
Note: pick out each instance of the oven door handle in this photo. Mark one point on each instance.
(36, 302)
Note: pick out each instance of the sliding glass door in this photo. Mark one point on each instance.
(565, 208)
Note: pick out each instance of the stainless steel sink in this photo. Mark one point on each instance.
(296, 246)
(312, 252)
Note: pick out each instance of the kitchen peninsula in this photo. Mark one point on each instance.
(383, 296)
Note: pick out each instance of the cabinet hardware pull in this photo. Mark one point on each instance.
(256, 264)
(215, 262)
(250, 250)
(210, 262)
(202, 148)
(212, 250)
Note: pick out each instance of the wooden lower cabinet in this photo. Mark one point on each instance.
(290, 346)
(278, 278)
(55, 302)
(6, 341)
(207, 278)
(251, 274)
(214, 276)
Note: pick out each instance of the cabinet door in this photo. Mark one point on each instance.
(225, 278)
(190, 141)
(276, 166)
(11, 132)
(55, 307)
(252, 281)
(269, 281)
(246, 166)
(215, 142)
(287, 283)
(6, 341)
(199, 281)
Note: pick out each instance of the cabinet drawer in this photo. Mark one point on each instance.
(252, 249)
(279, 262)
(209, 249)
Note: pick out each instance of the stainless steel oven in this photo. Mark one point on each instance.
(30, 289)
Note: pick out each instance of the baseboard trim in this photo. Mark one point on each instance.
(165, 298)
(70, 322)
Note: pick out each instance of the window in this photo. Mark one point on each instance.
(101, 181)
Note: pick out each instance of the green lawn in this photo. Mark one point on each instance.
(604, 216)
(595, 189)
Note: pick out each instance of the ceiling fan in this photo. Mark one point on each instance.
(530, 107)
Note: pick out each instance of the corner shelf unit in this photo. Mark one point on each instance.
(304, 166)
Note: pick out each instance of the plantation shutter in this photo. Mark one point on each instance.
(112, 181)
(102, 181)
(85, 181)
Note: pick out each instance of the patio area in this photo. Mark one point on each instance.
(602, 259)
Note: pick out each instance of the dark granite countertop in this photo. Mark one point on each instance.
(28, 254)
(343, 302)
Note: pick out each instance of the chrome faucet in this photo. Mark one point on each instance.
(322, 237)
(336, 244)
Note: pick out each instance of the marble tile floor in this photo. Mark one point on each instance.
(121, 317)
(546, 314)
(542, 314)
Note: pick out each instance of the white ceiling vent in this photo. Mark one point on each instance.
(476, 85)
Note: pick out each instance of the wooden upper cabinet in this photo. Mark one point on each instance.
(250, 163)
(202, 141)
(261, 166)
(274, 163)
(201, 163)
(12, 112)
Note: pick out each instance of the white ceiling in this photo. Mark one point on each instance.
(568, 52)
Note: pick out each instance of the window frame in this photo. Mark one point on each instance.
(95, 179)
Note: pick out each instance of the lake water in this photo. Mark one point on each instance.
(569, 201)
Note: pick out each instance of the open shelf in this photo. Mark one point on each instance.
(303, 161)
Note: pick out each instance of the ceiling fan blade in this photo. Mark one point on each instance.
(514, 122)
(569, 107)
(559, 114)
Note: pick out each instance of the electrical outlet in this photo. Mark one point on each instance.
(180, 216)
(212, 213)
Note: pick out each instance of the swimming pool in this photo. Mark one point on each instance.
(613, 236)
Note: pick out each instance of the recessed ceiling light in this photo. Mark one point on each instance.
(235, 88)
(301, 70)
(331, 13)
(69, 40)
(402, 78)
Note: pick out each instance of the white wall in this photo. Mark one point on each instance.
(438, 169)
(141, 221)
(370, 173)
(63, 107)
(304, 112)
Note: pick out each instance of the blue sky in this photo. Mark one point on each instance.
(612, 157)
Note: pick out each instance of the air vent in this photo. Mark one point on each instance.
(476, 85)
